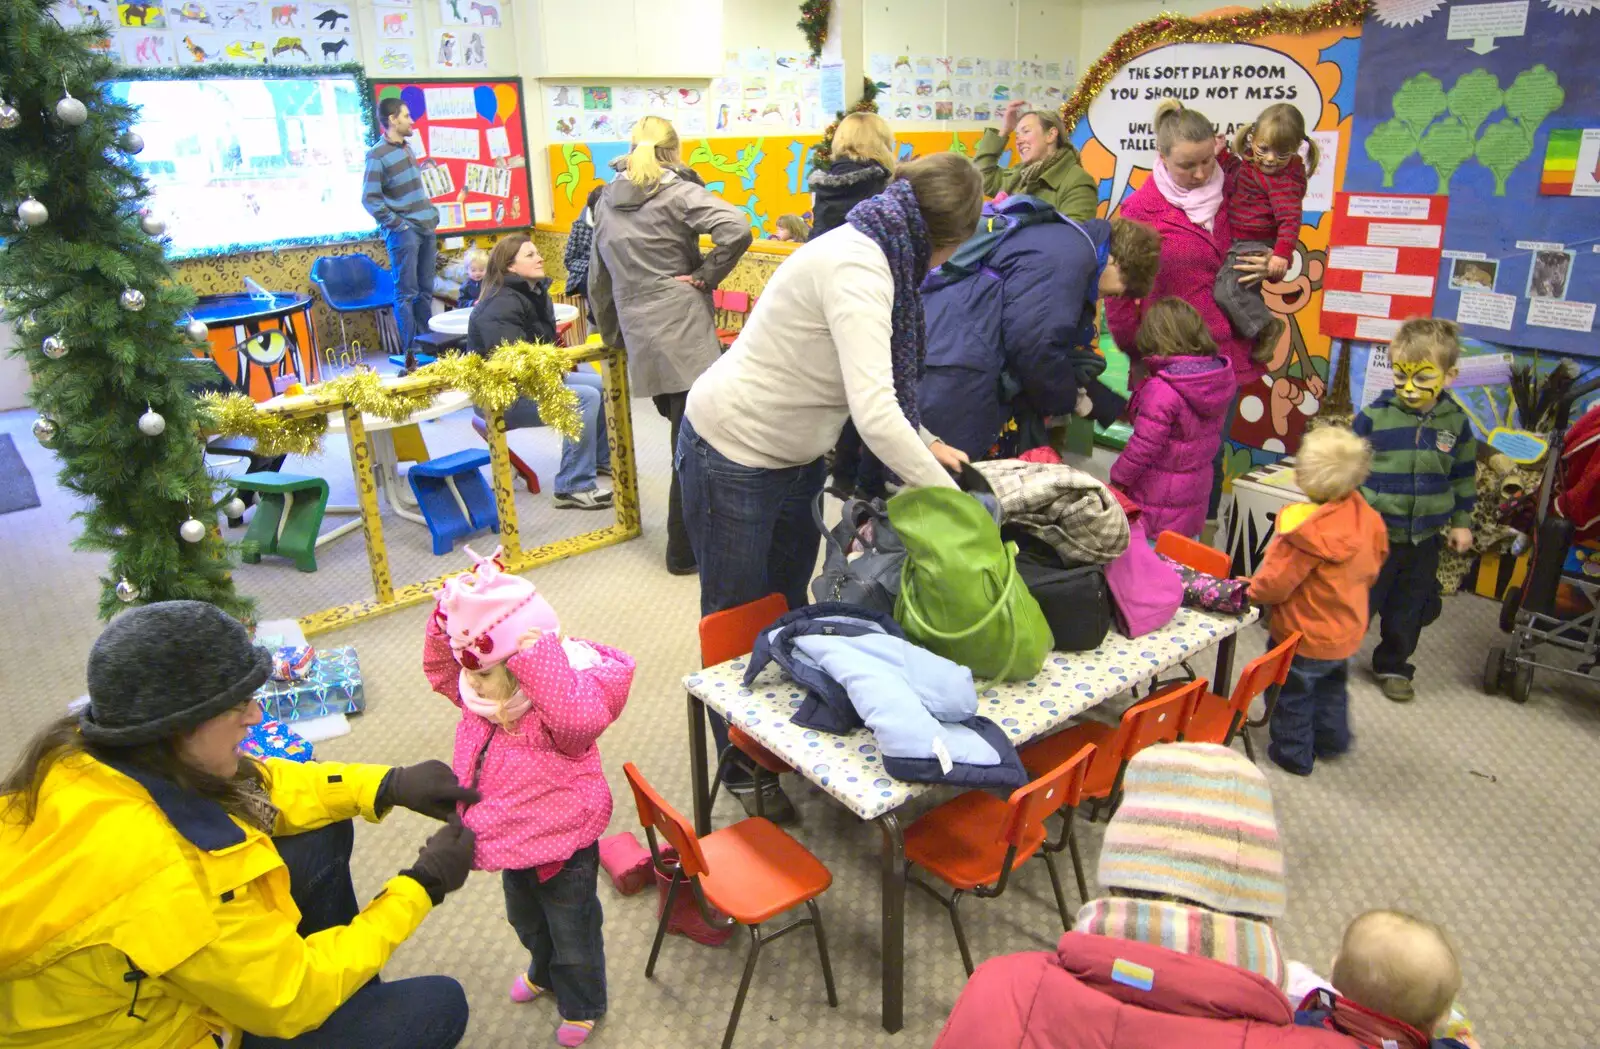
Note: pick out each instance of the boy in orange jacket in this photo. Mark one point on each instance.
(1316, 575)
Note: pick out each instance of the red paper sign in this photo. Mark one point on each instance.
(1383, 263)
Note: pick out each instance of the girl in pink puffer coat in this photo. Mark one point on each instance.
(1178, 416)
(532, 706)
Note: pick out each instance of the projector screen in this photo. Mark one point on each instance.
(250, 163)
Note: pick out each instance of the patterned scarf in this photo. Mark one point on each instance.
(894, 223)
(1240, 942)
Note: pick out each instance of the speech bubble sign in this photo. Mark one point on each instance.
(1230, 83)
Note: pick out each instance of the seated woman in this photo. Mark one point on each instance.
(1046, 164)
(1011, 324)
(1181, 950)
(158, 891)
(516, 307)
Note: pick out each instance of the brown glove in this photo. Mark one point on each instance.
(429, 788)
(444, 860)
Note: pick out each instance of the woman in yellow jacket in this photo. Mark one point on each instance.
(156, 890)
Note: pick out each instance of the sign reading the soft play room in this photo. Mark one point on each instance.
(1230, 83)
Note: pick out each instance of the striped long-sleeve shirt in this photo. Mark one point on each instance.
(1265, 207)
(1424, 466)
(392, 189)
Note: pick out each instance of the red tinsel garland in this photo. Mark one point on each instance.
(1272, 20)
(822, 153)
(814, 24)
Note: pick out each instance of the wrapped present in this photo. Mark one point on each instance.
(273, 739)
(293, 662)
(331, 686)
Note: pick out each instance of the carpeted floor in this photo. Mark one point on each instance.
(1461, 807)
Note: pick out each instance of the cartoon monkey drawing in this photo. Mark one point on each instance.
(1272, 415)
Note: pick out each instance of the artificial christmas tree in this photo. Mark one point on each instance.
(100, 319)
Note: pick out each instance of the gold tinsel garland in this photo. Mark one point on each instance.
(1272, 20)
(516, 370)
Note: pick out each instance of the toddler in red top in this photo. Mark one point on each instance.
(1264, 187)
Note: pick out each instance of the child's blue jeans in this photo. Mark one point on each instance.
(1312, 718)
(558, 921)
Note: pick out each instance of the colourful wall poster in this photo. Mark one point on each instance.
(1571, 163)
(472, 147)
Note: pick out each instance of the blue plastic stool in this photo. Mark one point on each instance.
(454, 497)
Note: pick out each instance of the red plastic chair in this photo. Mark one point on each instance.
(1196, 555)
(1159, 719)
(732, 307)
(957, 843)
(727, 635)
(520, 465)
(1213, 719)
(751, 871)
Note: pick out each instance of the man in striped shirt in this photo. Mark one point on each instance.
(394, 196)
(1423, 480)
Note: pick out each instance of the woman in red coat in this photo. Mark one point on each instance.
(1182, 199)
(1181, 951)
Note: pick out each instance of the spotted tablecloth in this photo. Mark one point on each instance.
(849, 767)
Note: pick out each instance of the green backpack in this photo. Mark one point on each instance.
(960, 594)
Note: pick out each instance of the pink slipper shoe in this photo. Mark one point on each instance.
(626, 861)
(574, 1032)
(525, 990)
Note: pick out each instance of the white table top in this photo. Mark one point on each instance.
(454, 322)
(849, 768)
(443, 404)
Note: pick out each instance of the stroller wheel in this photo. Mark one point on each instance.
(1492, 669)
(1508, 609)
(1521, 683)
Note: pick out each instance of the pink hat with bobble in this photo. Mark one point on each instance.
(485, 612)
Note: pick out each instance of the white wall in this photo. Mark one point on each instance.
(1105, 20)
(14, 378)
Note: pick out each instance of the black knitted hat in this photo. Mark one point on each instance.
(164, 668)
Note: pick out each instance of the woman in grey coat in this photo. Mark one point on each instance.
(650, 288)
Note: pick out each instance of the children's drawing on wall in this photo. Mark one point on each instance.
(198, 49)
(145, 49)
(394, 24)
(596, 98)
(72, 13)
(1549, 274)
(454, 12)
(287, 16)
(145, 16)
(393, 58)
(1473, 274)
(1273, 416)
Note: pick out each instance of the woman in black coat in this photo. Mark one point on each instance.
(516, 307)
(863, 160)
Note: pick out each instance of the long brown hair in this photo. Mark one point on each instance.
(1173, 328)
(60, 740)
(500, 259)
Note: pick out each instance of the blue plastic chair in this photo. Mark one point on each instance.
(357, 284)
(454, 497)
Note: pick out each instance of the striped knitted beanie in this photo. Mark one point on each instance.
(1196, 823)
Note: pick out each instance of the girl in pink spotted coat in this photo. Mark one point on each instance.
(532, 706)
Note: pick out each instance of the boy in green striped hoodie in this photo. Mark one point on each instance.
(1423, 481)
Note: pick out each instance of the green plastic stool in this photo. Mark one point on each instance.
(289, 511)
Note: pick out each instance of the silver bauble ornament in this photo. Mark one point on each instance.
(32, 213)
(132, 300)
(71, 112)
(9, 117)
(234, 508)
(151, 423)
(152, 226)
(127, 593)
(131, 142)
(118, 532)
(54, 347)
(196, 330)
(192, 531)
(44, 429)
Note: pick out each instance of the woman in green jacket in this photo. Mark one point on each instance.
(1046, 166)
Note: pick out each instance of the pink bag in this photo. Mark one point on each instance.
(1145, 591)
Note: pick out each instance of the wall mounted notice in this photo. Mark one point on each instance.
(1383, 264)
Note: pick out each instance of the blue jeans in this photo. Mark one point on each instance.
(752, 530)
(578, 458)
(425, 1012)
(1312, 718)
(558, 921)
(411, 256)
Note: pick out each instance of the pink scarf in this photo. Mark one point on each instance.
(488, 709)
(1200, 204)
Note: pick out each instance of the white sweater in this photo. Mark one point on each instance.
(814, 353)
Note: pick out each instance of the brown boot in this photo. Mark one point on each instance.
(1267, 341)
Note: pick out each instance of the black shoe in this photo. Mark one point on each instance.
(1277, 759)
(689, 568)
(775, 804)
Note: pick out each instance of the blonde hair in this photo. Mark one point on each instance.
(497, 686)
(1282, 129)
(864, 136)
(1176, 123)
(1427, 339)
(796, 227)
(949, 192)
(1331, 463)
(1173, 328)
(1398, 965)
(476, 257)
(655, 148)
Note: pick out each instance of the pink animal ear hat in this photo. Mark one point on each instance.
(484, 612)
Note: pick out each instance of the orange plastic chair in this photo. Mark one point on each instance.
(1213, 719)
(751, 871)
(1158, 719)
(727, 635)
(957, 843)
(1196, 555)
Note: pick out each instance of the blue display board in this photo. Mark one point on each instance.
(1461, 99)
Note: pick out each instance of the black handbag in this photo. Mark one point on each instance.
(862, 559)
(1076, 599)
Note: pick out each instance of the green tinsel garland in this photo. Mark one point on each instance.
(814, 24)
(822, 152)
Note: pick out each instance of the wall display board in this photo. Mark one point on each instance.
(1495, 107)
(1382, 265)
(472, 146)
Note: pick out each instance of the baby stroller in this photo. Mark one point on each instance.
(1558, 604)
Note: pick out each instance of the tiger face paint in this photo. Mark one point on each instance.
(1417, 384)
